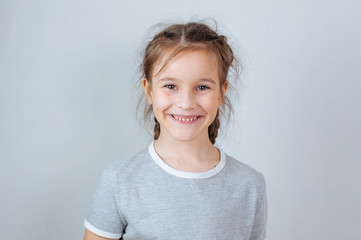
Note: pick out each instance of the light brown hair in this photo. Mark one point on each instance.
(179, 37)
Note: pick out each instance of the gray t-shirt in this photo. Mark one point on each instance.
(144, 198)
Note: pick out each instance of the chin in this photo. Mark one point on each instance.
(184, 137)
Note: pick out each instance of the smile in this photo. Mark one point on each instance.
(185, 118)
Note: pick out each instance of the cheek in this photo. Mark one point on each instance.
(161, 101)
(211, 103)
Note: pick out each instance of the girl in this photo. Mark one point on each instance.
(181, 186)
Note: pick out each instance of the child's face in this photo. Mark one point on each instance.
(186, 95)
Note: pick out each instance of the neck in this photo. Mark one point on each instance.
(194, 153)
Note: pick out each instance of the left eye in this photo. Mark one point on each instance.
(203, 88)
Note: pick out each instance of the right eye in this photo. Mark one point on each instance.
(170, 86)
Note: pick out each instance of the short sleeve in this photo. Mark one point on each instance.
(103, 218)
(260, 221)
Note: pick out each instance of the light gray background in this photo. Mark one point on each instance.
(67, 100)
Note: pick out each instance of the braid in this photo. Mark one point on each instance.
(156, 129)
(213, 129)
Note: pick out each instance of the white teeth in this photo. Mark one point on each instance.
(185, 119)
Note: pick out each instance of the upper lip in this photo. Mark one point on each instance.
(185, 116)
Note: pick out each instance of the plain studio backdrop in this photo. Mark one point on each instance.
(68, 97)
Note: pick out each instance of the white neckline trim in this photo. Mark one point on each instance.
(183, 174)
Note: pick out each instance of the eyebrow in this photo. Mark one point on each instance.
(210, 80)
(167, 79)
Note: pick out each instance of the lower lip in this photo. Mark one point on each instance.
(186, 122)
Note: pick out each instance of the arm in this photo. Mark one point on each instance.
(260, 220)
(103, 220)
(88, 235)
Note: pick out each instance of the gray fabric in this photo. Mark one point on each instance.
(139, 200)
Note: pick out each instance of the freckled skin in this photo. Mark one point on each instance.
(186, 93)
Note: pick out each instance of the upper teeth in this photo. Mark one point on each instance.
(185, 119)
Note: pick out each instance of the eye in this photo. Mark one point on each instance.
(170, 86)
(202, 87)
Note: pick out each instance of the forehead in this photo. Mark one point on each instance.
(188, 64)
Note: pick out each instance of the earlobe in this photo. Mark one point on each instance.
(223, 93)
(147, 91)
(225, 87)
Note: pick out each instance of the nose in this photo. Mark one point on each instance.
(186, 100)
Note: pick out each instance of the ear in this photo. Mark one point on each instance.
(147, 90)
(223, 89)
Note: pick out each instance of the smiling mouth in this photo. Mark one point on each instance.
(185, 118)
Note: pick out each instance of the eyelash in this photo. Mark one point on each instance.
(204, 87)
(172, 87)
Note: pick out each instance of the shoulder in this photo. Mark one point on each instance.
(245, 174)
